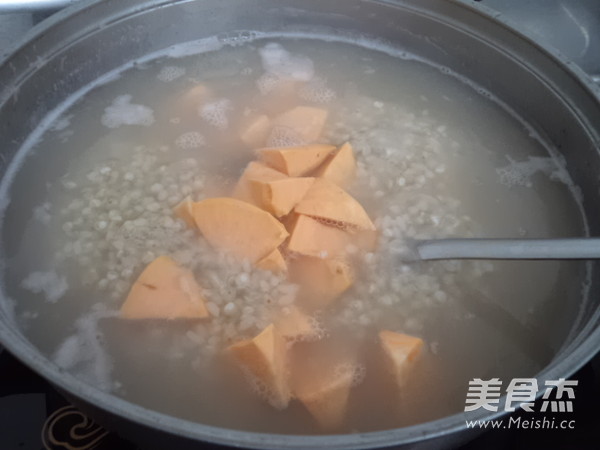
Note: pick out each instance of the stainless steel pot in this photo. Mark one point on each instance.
(78, 45)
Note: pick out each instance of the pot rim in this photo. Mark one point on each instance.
(572, 358)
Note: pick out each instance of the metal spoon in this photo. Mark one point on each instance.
(570, 248)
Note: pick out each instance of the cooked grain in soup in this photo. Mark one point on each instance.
(92, 205)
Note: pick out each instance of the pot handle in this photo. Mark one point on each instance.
(32, 6)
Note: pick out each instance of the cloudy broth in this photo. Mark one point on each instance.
(436, 158)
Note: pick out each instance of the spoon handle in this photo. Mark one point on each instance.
(570, 248)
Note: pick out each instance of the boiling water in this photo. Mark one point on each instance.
(92, 205)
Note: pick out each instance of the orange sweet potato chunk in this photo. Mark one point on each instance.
(196, 95)
(240, 228)
(256, 131)
(401, 351)
(321, 280)
(327, 201)
(254, 171)
(303, 123)
(295, 161)
(340, 167)
(311, 238)
(265, 358)
(280, 196)
(274, 262)
(183, 210)
(326, 396)
(186, 106)
(294, 324)
(164, 290)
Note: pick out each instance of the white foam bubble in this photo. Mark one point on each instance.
(84, 354)
(215, 113)
(263, 391)
(278, 61)
(519, 173)
(190, 140)
(67, 354)
(356, 372)
(48, 283)
(42, 213)
(267, 83)
(284, 137)
(170, 73)
(317, 332)
(123, 112)
(317, 91)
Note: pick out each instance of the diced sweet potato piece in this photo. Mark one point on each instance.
(273, 261)
(326, 396)
(304, 122)
(164, 290)
(254, 171)
(326, 200)
(238, 227)
(339, 167)
(280, 196)
(295, 324)
(255, 133)
(311, 238)
(401, 351)
(295, 161)
(265, 358)
(289, 221)
(321, 280)
(186, 106)
(196, 94)
(183, 210)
